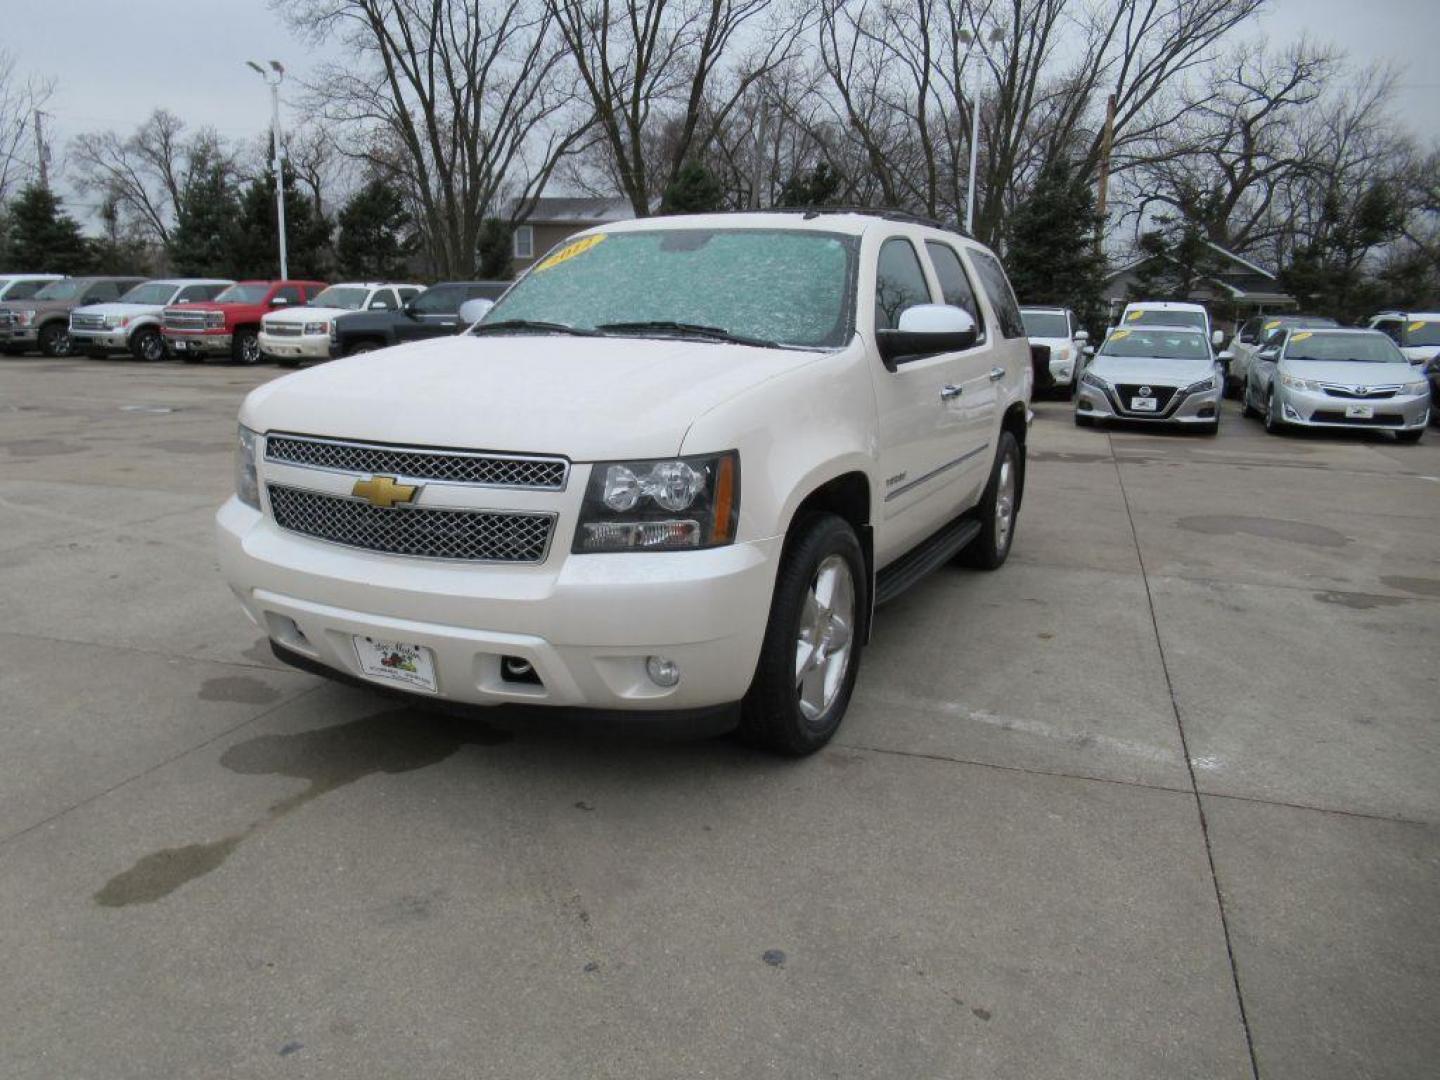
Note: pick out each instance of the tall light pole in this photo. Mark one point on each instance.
(996, 35)
(278, 71)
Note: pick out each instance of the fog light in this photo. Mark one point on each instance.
(662, 670)
(1083, 405)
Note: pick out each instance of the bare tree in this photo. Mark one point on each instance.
(20, 98)
(142, 177)
(648, 65)
(467, 103)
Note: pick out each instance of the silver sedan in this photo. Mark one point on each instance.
(1164, 374)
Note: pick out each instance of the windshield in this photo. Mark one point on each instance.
(1157, 345)
(1422, 332)
(243, 294)
(1363, 348)
(1163, 317)
(337, 296)
(60, 290)
(1045, 324)
(152, 292)
(780, 285)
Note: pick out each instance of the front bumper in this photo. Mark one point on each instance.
(586, 623)
(217, 344)
(99, 339)
(304, 347)
(1306, 408)
(1202, 407)
(18, 336)
(1062, 370)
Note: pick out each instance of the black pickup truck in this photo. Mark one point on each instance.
(434, 313)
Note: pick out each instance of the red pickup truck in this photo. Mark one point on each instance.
(229, 325)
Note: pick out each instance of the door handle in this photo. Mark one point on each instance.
(996, 374)
(950, 390)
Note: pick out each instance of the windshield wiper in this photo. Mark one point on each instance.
(532, 324)
(714, 333)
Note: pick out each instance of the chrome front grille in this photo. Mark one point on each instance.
(452, 466)
(86, 322)
(1361, 393)
(474, 535)
(280, 329)
(184, 320)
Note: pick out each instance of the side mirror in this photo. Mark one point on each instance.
(1082, 336)
(1217, 338)
(1225, 357)
(472, 311)
(925, 330)
(408, 308)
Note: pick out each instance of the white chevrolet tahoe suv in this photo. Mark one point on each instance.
(673, 469)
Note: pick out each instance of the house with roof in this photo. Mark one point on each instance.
(553, 220)
(1230, 285)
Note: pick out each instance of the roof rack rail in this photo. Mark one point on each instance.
(811, 212)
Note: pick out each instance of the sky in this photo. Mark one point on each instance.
(114, 62)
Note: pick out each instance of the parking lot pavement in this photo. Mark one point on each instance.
(1157, 799)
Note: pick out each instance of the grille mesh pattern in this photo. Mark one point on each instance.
(477, 535)
(544, 474)
(87, 322)
(1371, 393)
(1161, 394)
(280, 329)
(184, 320)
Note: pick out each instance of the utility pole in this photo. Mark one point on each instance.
(42, 152)
(996, 35)
(1107, 142)
(277, 148)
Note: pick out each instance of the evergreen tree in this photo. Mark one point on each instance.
(497, 250)
(42, 236)
(1327, 273)
(114, 252)
(203, 241)
(1176, 259)
(818, 187)
(377, 236)
(1052, 250)
(257, 246)
(694, 190)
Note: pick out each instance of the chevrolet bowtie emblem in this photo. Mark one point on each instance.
(384, 492)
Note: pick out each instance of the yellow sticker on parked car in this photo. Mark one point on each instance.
(569, 251)
(1272, 325)
(1416, 326)
(1136, 316)
(1300, 337)
(1118, 334)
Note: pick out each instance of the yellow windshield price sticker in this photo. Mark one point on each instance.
(1118, 334)
(1136, 316)
(1416, 326)
(1272, 325)
(569, 251)
(1300, 337)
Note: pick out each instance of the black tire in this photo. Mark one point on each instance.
(771, 714)
(245, 346)
(1410, 437)
(55, 339)
(991, 548)
(362, 347)
(1246, 409)
(147, 344)
(1273, 424)
(12, 350)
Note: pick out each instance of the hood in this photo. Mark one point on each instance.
(1349, 372)
(1053, 343)
(1126, 369)
(301, 315)
(591, 399)
(130, 310)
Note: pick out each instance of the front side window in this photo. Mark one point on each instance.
(441, 300)
(339, 296)
(1002, 296)
(1156, 344)
(291, 294)
(60, 290)
(789, 286)
(383, 300)
(151, 292)
(408, 293)
(243, 294)
(899, 283)
(192, 293)
(1352, 347)
(524, 242)
(955, 287)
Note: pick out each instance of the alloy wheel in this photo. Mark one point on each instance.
(1004, 503)
(826, 640)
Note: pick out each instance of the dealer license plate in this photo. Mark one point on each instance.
(397, 661)
(1360, 412)
(1143, 404)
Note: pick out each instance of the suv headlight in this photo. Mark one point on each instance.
(247, 481)
(317, 328)
(214, 320)
(25, 316)
(1294, 382)
(1091, 379)
(669, 504)
(1202, 385)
